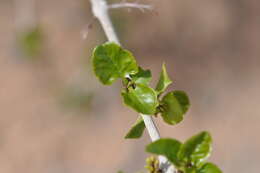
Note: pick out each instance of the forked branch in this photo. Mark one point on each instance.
(141, 7)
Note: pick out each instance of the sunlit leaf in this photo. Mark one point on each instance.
(111, 62)
(196, 149)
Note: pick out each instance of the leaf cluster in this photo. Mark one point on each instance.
(112, 62)
(187, 157)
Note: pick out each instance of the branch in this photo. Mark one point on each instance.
(152, 129)
(153, 132)
(100, 11)
(141, 7)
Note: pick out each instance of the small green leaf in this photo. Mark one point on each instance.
(111, 62)
(136, 130)
(164, 81)
(209, 168)
(175, 104)
(196, 149)
(166, 147)
(142, 77)
(141, 98)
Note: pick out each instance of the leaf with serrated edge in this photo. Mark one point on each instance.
(136, 130)
(164, 81)
(166, 147)
(142, 98)
(111, 62)
(175, 104)
(196, 149)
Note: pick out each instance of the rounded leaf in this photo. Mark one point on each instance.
(141, 98)
(174, 105)
(110, 62)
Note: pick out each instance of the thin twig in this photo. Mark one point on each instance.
(152, 130)
(100, 11)
(141, 7)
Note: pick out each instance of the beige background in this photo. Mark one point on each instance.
(211, 48)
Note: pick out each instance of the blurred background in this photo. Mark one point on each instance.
(56, 117)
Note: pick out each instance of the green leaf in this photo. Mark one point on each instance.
(209, 168)
(111, 62)
(141, 98)
(174, 105)
(164, 81)
(136, 130)
(196, 149)
(142, 77)
(166, 147)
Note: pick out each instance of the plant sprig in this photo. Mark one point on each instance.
(189, 157)
(111, 62)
